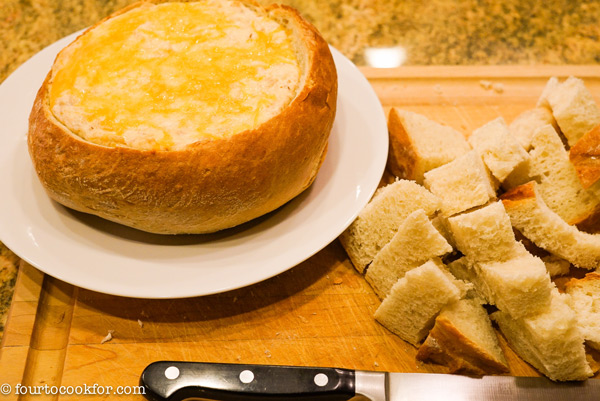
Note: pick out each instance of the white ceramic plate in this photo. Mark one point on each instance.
(102, 256)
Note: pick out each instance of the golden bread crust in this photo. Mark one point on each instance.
(585, 157)
(448, 346)
(526, 192)
(211, 184)
(402, 160)
(518, 194)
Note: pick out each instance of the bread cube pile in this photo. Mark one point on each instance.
(474, 229)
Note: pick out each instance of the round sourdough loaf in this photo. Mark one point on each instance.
(110, 136)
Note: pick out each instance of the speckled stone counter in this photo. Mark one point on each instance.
(434, 32)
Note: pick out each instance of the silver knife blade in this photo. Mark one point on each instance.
(442, 387)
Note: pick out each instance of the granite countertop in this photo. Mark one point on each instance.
(435, 32)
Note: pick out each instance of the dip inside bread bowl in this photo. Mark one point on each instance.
(185, 117)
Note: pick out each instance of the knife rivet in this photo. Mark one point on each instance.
(172, 372)
(246, 376)
(321, 379)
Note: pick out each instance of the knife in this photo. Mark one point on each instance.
(169, 380)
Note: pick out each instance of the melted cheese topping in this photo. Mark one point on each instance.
(164, 76)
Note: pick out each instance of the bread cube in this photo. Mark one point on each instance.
(461, 184)
(418, 144)
(416, 299)
(573, 107)
(379, 221)
(415, 243)
(550, 341)
(500, 151)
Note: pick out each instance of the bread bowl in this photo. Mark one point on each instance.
(167, 160)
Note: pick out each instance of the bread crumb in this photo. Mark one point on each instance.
(438, 89)
(304, 320)
(235, 299)
(487, 85)
(375, 364)
(338, 281)
(141, 324)
(498, 87)
(108, 337)
(268, 353)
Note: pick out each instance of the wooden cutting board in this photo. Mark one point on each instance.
(318, 313)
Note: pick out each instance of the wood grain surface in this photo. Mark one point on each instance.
(318, 313)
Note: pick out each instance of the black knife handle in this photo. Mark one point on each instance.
(166, 380)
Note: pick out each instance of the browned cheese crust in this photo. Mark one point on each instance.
(210, 185)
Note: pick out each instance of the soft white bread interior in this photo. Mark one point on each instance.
(551, 86)
(379, 221)
(462, 184)
(418, 144)
(440, 222)
(485, 234)
(121, 131)
(535, 220)
(502, 270)
(463, 339)
(585, 301)
(573, 107)
(416, 242)
(559, 186)
(416, 299)
(500, 151)
(523, 127)
(550, 341)
(520, 286)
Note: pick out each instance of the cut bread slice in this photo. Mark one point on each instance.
(585, 157)
(462, 184)
(535, 220)
(416, 242)
(500, 151)
(464, 340)
(550, 341)
(573, 107)
(379, 221)
(559, 184)
(485, 234)
(416, 299)
(418, 144)
(585, 300)
(520, 286)
(551, 86)
(523, 127)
